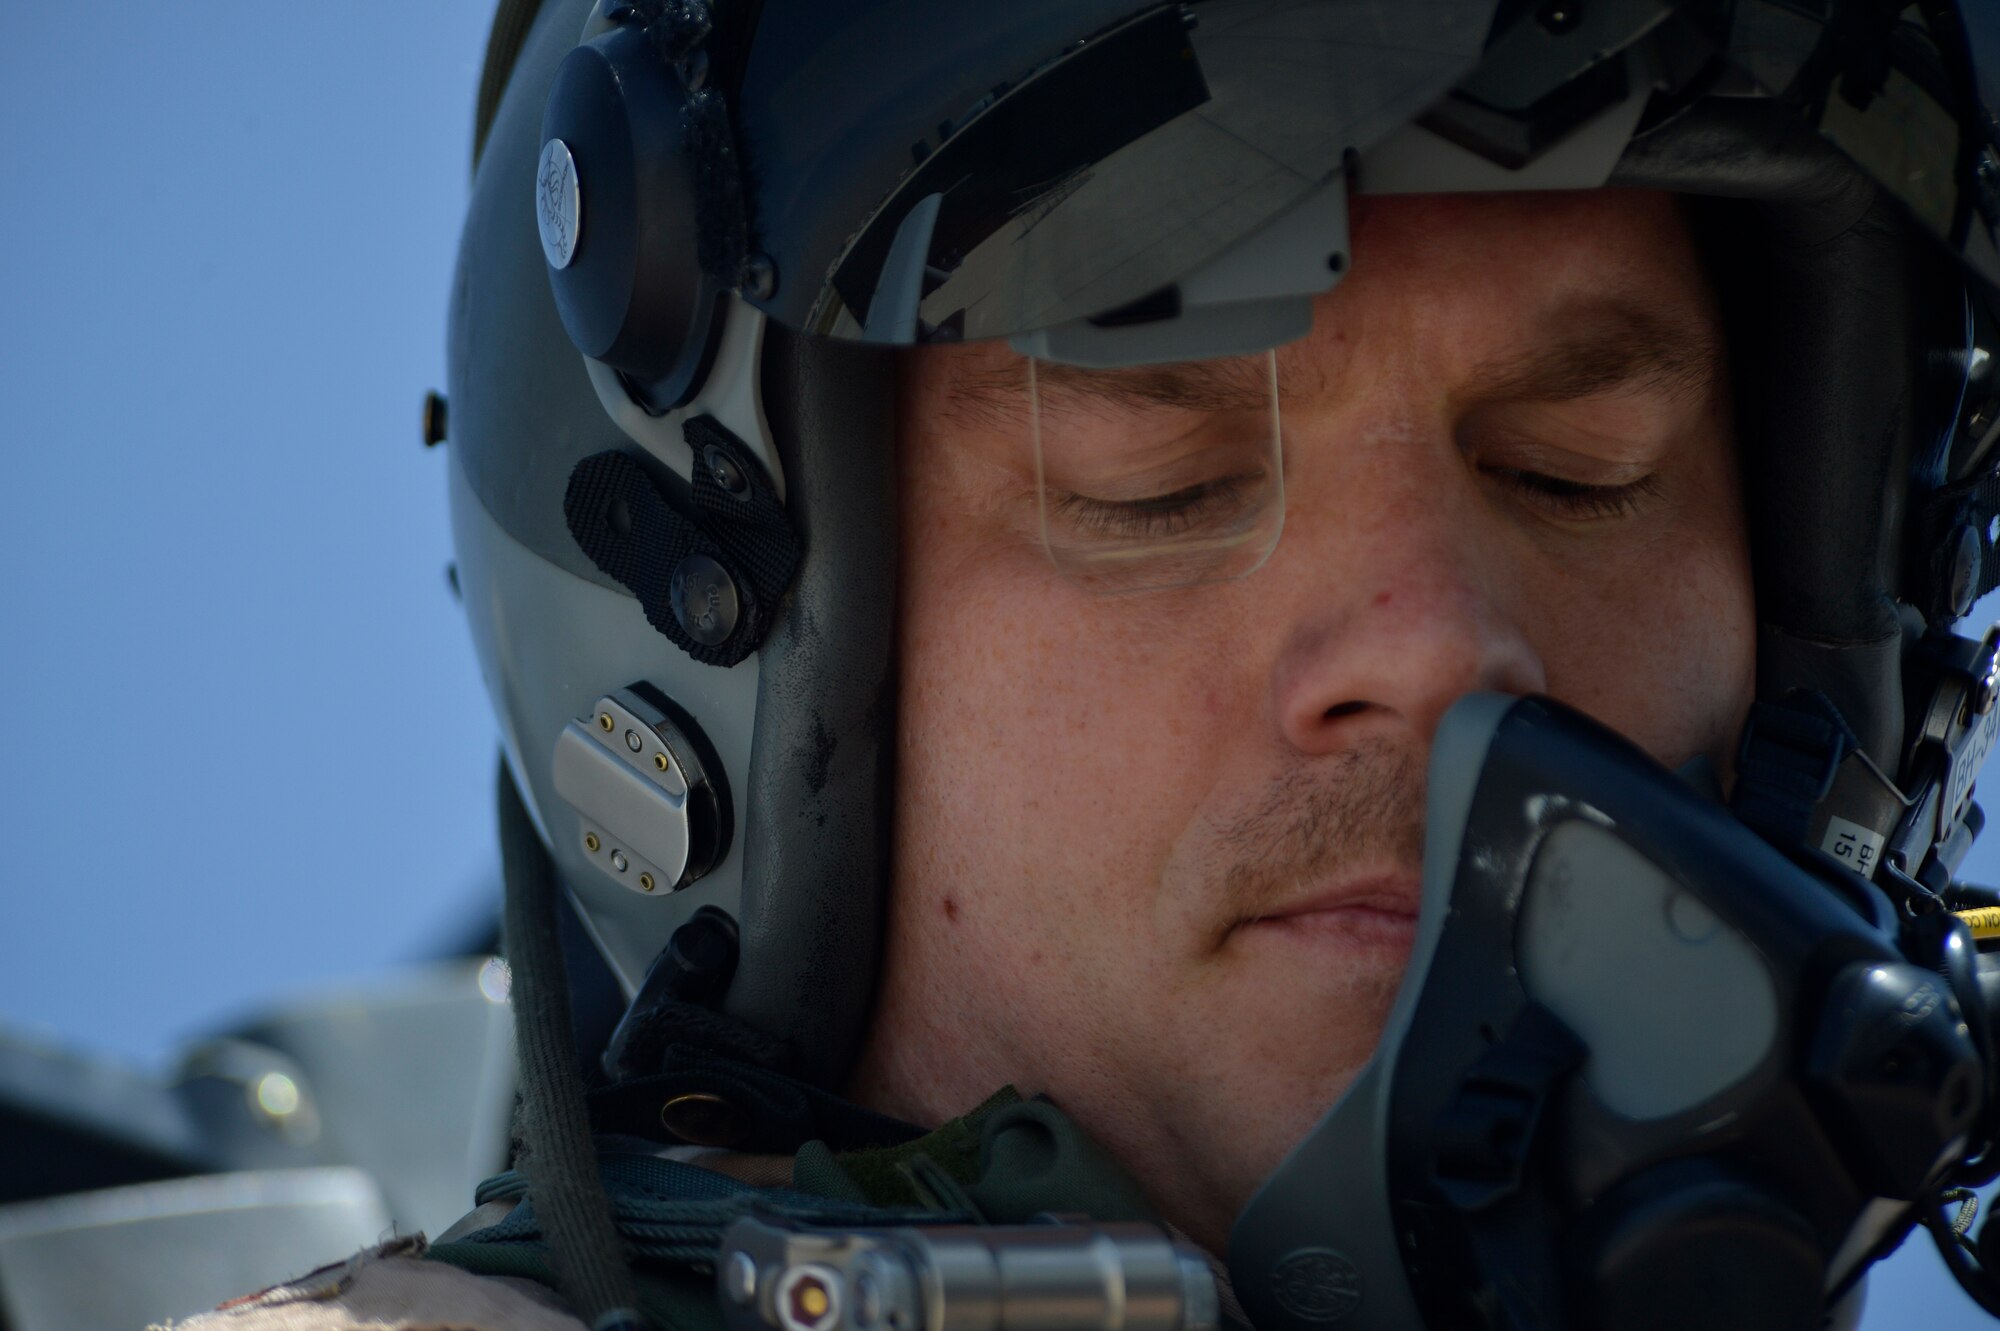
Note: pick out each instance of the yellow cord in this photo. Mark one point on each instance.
(1984, 922)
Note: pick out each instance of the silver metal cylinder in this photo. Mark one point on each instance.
(1123, 1277)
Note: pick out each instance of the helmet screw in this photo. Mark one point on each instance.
(604, 722)
(660, 761)
(619, 862)
(703, 955)
(1981, 417)
(694, 69)
(760, 277)
(633, 742)
(1965, 563)
(705, 600)
(723, 469)
(1560, 16)
(703, 1118)
(590, 842)
(867, 1300)
(645, 882)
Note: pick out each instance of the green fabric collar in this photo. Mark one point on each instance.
(1005, 1163)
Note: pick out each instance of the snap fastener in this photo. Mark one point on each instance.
(727, 474)
(705, 600)
(702, 1118)
(740, 1278)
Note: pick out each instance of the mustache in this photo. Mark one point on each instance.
(1362, 806)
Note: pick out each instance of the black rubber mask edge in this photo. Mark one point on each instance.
(818, 806)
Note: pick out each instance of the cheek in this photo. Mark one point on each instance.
(1658, 641)
(1054, 738)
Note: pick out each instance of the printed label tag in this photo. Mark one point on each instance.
(1853, 845)
(1965, 763)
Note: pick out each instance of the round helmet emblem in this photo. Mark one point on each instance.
(1316, 1285)
(558, 206)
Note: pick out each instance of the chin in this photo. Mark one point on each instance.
(1267, 1091)
(1288, 1106)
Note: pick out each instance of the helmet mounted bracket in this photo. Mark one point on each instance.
(709, 570)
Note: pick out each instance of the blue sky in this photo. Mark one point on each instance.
(247, 747)
(247, 751)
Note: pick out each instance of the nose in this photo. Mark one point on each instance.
(1404, 615)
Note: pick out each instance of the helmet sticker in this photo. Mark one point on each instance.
(558, 203)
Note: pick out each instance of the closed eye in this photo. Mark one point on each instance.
(1169, 514)
(1574, 499)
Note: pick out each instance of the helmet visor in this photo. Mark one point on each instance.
(1105, 152)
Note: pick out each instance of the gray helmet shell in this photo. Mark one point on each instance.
(1702, 99)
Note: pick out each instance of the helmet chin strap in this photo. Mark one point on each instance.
(556, 1155)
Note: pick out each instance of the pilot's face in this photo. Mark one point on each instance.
(1157, 853)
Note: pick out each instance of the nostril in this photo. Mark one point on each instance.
(1338, 710)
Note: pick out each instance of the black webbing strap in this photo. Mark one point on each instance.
(1790, 754)
(639, 536)
(585, 1251)
(751, 525)
(681, 32)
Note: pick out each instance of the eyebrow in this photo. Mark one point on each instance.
(1609, 345)
(1231, 384)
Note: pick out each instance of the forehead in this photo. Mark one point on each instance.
(1484, 278)
(1634, 235)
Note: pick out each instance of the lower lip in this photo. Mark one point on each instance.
(1343, 926)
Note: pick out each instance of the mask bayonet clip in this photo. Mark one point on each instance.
(1956, 734)
(1805, 784)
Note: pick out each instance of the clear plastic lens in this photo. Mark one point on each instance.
(1158, 476)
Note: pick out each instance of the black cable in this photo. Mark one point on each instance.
(1968, 1209)
(585, 1252)
(1973, 1279)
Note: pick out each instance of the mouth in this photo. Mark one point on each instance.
(1377, 912)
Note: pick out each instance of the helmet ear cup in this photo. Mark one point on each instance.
(632, 292)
